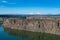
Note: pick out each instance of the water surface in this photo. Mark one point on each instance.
(5, 36)
(12, 34)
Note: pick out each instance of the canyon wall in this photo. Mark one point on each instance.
(48, 24)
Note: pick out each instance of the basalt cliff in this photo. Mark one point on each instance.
(47, 24)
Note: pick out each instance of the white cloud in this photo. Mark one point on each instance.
(8, 2)
(30, 11)
(4, 1)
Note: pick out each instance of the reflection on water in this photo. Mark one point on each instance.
(31, 35)
(11, 34)
(1, 29)
(8, 36)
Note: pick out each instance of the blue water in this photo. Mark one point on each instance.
(6, 36)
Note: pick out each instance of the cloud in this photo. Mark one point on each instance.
(8, 2)
(30, 11)
(4, 1)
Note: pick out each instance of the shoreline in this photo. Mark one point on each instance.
(32, 35)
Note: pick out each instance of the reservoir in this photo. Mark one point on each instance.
(5, 36)
(12, 34)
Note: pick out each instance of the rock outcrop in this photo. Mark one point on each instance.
(48, 24)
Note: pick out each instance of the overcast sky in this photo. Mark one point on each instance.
(40, 7)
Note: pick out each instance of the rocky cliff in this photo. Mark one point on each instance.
(48, 24)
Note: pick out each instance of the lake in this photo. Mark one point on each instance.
(12, 34)
(6, 36)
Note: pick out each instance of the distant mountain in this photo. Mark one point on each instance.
(8, 16)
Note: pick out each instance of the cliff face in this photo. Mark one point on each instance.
(1, 21)
(48, 24)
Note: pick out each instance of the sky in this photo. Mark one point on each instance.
(31, 7)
